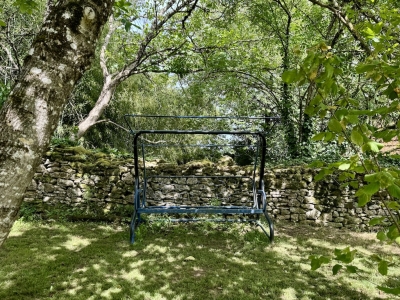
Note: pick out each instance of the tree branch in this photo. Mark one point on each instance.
(157, 24)
(103, 60)
(9, 54)
(345, 21)
(113, 123)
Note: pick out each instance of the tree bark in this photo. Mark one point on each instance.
(59, 55)
(102, 102)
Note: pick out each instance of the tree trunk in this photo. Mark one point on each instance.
(102, 102)
(59, 55)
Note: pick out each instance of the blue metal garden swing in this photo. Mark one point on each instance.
(255, 139)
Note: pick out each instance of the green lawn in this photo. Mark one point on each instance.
(42, 260)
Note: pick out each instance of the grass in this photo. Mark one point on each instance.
(43, 260)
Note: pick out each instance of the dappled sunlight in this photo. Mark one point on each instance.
(108, 294)
(131, 253)
(181, 262)
(6, 284)
(288, 294)
(155, 296)
(171, 259)
(74, 286)
(291, 251)
(18, 229)
(153, 248)
(81, 270)
(76, 243)
(101, 265)
(133, 275)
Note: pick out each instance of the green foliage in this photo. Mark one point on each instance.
(63, 142)
(26, 6)
(4, 92)
(33, 212)
(23, 6)
(362, 128)
(126, 13)
(19, 22)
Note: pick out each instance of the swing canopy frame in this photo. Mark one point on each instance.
(256, 139)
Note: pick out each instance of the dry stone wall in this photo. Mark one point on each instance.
(79, 178)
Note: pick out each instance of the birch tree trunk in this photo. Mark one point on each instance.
(59, 55)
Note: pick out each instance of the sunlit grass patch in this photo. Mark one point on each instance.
(185, 261)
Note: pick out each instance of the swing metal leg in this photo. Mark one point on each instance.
(271, 227)
(134, 223)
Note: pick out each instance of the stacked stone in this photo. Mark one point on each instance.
(76, 178)
(293, 195)
(74, 181)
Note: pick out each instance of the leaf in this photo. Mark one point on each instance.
(354, 184)
(345, 255)
(356, 137)
(344, 166)
(313, 75)
(340, 113)
(369, 165)
(321, 175)
(290, 76)
(369, 32)
(376, 221)
(316, 164)
(371, 177)
(319, 136)
(310, 110)
(362, 68)
(372, 146)
(329, 136)
(386, 135)
(363, 199)
(381, 236)
(324, 47)
(352, 119)
(394, 191)
(351, 269)
(359, 169)
(329, 72)
(336, 268)
(346, 175)
(26, 6)
(325, 259)
(393, 232)
(2, 23)
(335, 126)
(315, 263)
(371, 188)
(393, 205)
(392, 291)
(383, 267)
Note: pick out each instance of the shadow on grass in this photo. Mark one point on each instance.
(92, 261)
